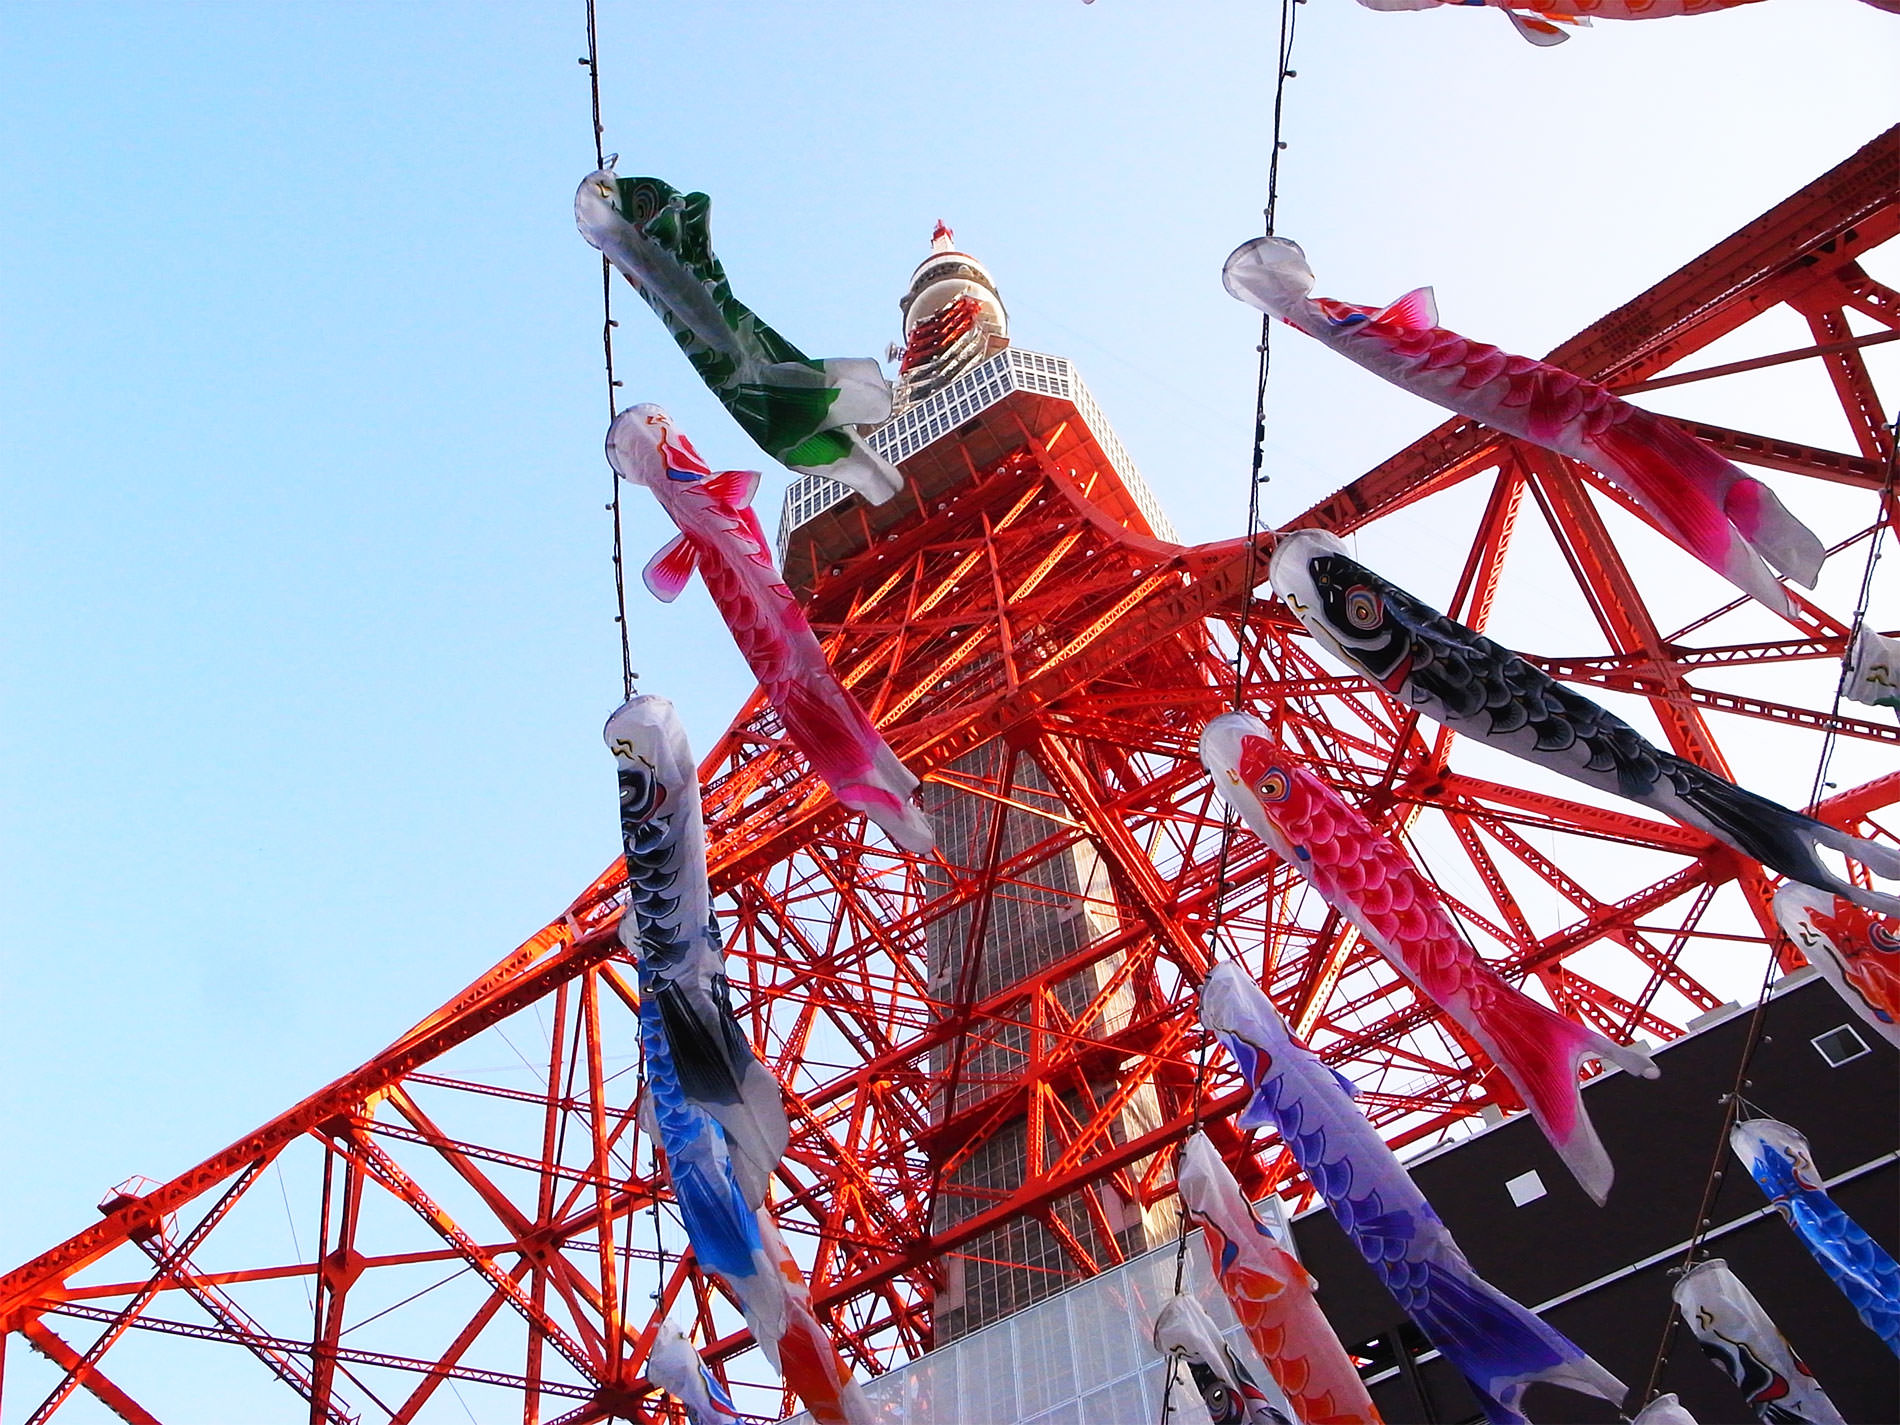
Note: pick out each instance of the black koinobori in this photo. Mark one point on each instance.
(1462, 679)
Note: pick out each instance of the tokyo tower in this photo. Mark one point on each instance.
(990, 1053)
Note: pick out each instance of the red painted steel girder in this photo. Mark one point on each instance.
(487, 1230)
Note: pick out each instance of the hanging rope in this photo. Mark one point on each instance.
(1875, 542)
(1255, 479)
(1257, 476)
(1712, 1183)
(659, 1242)
(627, 675)
(1733, 1100)
(607, 325)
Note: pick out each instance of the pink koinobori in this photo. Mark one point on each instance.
(1374, 885)
(1729, 520)
(720, 536)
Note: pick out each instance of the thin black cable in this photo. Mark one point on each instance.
(607, 325)
(1731, 1101)
(1199, 1101)
(627, 675)
(1289, 21)
(1255, 479)
(1712, 1183)
(659, 1243)
(1874, 544)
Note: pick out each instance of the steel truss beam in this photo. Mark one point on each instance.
(475, 1228)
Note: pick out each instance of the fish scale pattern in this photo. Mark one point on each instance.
(1499, 1346)
(1373, 884)
(720, 536)
(1481, 689)
(1707, 504)
(1780, 1161)
(652, 871)
(1271, 1294)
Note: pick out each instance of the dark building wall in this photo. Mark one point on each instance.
(1662, 1135)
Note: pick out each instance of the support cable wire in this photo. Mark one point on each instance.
(1733, 1100)
(1289, 20)
(1882, 516)
(607, 325)
(627, 675)
(1255, 479)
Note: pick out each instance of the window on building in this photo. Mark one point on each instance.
(1525, 1188)
(1840, 1045)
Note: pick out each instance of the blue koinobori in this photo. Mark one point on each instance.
(1777, 1157)
(716, 1112)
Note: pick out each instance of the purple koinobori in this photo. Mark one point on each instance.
(1500, 1347)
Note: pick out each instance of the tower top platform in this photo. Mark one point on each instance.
(1014, 399)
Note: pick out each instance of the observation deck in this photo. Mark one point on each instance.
(1014, 399)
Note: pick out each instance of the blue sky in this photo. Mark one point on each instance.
(307, 611)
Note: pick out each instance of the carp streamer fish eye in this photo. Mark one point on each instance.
(1274, 787)
(1363, 608)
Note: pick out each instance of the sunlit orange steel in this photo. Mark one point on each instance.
(1013, 597)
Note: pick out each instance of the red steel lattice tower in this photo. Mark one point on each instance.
(989, 1052)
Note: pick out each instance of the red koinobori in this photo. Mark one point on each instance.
(1374, 885)
(1538, 20)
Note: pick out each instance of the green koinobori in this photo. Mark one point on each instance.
(1873, 670)
(803, 413)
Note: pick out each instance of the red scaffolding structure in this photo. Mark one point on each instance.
(488, 1236)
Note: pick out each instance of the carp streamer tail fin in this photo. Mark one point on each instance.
(1539, 1051)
